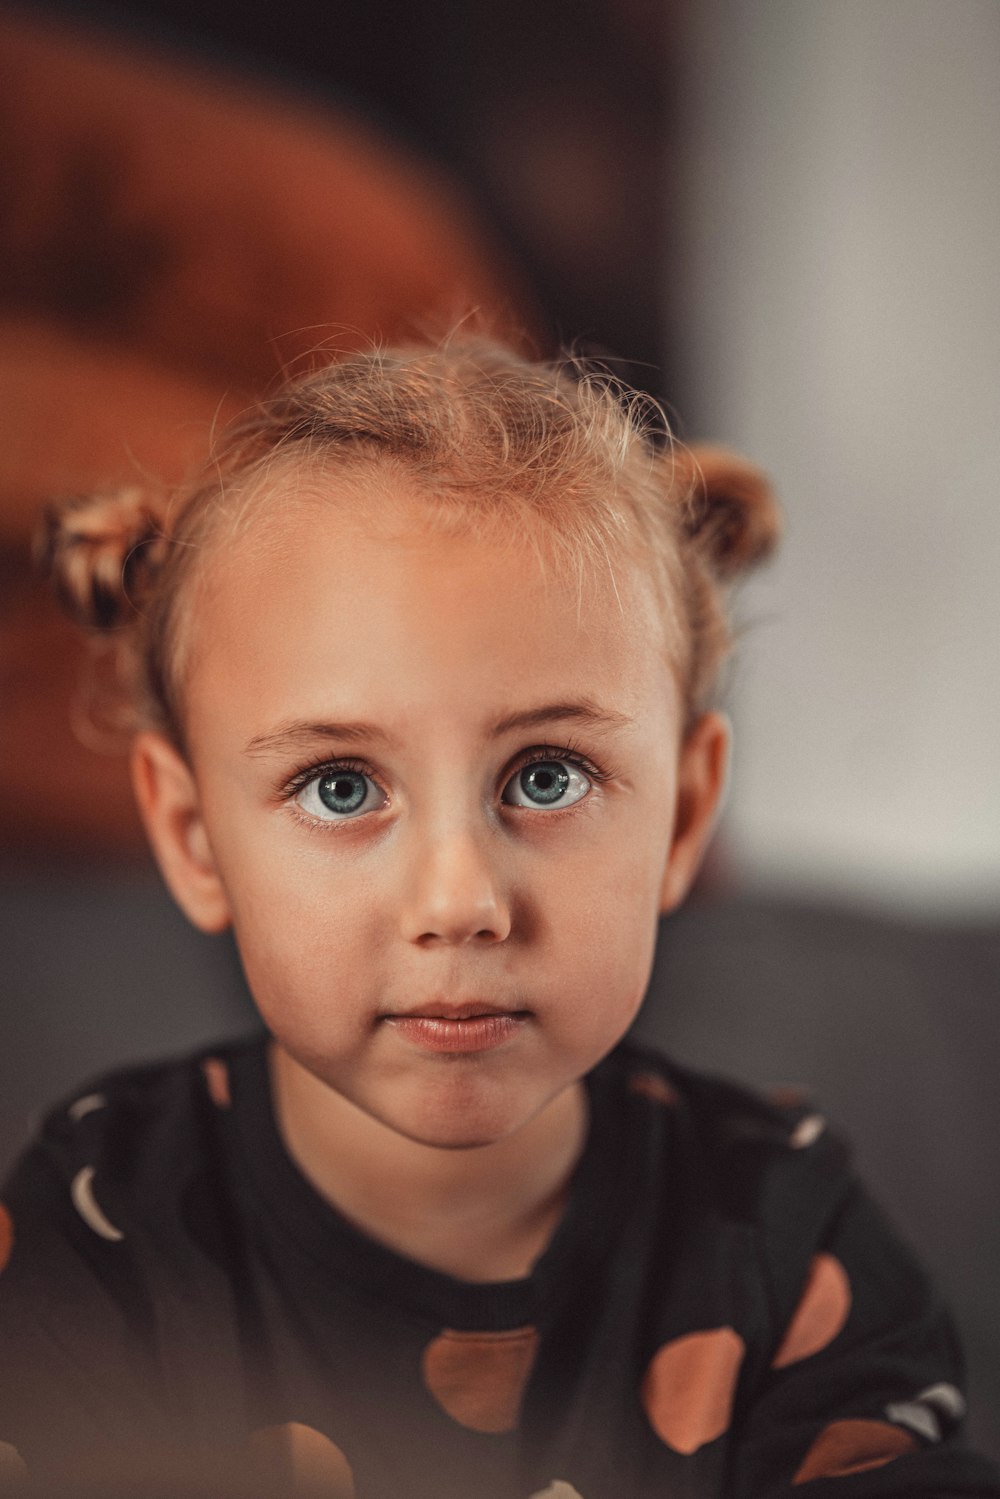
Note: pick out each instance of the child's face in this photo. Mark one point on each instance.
(360, 711)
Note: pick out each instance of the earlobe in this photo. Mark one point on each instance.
(701, 780)
(171, 811)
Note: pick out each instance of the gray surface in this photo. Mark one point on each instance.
(893, 1027)
(100, 973)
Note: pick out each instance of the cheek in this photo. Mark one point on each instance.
(611, 888)
(607, 935)
(287, 882)
(313, 996)
(624, 904)
(303, 932)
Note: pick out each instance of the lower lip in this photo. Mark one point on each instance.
(476, 1033)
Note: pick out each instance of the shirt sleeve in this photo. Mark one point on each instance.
(864, 1393)
(119, 1371)
(72, 1376)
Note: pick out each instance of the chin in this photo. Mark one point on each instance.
(459, 1119)
(461, 1133)
(460, 1140)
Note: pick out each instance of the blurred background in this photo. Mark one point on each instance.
(782, 220)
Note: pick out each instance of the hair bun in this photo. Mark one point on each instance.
(732, 514)
(97, 551)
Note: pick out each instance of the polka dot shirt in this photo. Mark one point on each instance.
(721, 1312)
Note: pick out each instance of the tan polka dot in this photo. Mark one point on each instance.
(6, 1236)
(302, 1457)
(851, 1447)
(558, 1489)
(217, 1081)
(478, 1378)
(789, 1096)
(820, 1314)
(687, 1392)
(651, 1085)
(12, 1466)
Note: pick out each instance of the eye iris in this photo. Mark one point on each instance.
(545, 782)
(343, 792)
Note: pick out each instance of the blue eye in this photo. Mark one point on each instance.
(547, 783)
(338, 794)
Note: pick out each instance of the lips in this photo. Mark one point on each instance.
(472, 1026)
(439, 1009)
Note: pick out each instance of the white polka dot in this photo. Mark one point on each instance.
(945, 1398)
(86, 1105)
(915, 1417)
(82, 1193)
(807, 1131)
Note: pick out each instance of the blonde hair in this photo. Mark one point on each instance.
(557, 453)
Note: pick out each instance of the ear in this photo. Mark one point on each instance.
(168, 800)
(701, 779)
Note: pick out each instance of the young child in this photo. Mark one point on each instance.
(421, 669)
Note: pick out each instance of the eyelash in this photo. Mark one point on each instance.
(568, 753)
(307, 773)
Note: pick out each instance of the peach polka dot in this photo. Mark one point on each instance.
(651, 1085)
(820, 1314)
(217, 1081)
(688, 1389)
(302, 1457)
(789, 1096)
(851, 1447)
(12, 1464)
(478, 1378)
(6, 1236)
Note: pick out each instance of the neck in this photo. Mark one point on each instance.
(481, 1214)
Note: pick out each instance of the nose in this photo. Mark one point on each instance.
(453, 893)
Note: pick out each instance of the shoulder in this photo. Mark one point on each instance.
(112, 1262)
(847, 1357)
(764, 1169)
(116, 1153)
(744, 1140)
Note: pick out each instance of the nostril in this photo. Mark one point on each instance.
(452, 895)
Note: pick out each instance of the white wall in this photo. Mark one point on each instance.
(839, 287)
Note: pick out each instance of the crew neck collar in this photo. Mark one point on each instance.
(287, 1206)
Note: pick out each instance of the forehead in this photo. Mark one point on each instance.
(356, 586)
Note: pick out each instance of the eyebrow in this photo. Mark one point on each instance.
(300, 734)
(583, 711)
(303, 733)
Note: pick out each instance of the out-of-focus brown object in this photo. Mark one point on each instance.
(170, 240)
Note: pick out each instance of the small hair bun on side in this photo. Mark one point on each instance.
(98, 552)
(731, 512)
